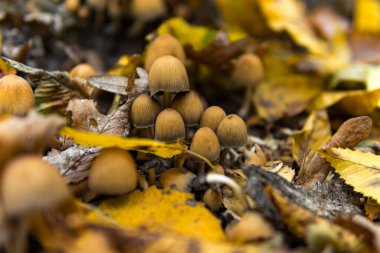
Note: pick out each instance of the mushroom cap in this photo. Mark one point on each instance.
(190, 106)
(212, 117)
(169, 126)
(206, 143)
(148, 9)
(177, 179)
(248, 70)
(232, 132)
(251, 227)
(82, 70)
(168, 74)
(213, 199)
(16, 95)
(164, 45)
(144, 111)
(30, 184)
(113, 172)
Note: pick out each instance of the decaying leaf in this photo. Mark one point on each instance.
(360, 170)
(357, 76)
(5, 67)
(30, 134)
(313, 135)
(164, 211)
(372, 209)
(367, 16)
(126, 65)
(314, 168)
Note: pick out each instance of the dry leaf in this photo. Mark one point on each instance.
(367, 16)
(313, 135)
(372, 209)
(5, 67)
(314, 168)
(164, 211)
(358, 169)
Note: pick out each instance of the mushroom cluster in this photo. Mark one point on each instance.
(173, 112)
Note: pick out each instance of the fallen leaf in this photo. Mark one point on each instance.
(315, 132)
(360, 170)
(367, 16)
(126, 65)
(372, 209)
(5, 67)
(164, 211)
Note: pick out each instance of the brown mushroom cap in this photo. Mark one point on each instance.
(205, 142)
(248, 70)
(177, 179)
(82, 70)
(16, 95)
(169, 126)
(113, 172)
(30, 184)
(147, 9)
(232, 132)
(190, 106)
(251, 227)
(168, 74)
(212, 117)
(213, 199)
(163, 45)
(144, 111)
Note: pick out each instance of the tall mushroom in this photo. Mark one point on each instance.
(30, 185)
(212, 117)
(169, 126)
(144, 112)
(232, 133)
(163, 45)
(16, 95)
(168, 74)
(190, 106)
(247, 72)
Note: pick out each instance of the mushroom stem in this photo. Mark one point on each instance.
(201, 168)
(180, 161)
(21, 236)
(151, 176)
(221, 179)
(246, 106)
(151, 130)
(166, 99)
(223, 155)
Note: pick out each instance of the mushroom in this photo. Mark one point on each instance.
(168, 74)
(178, 179)
(82, 70)
(190, 106)
(205, 143)
(169, 126)
(144, 11)
(30, 185)
(164, 45)
(213, 199)
(113, 172)
(144, 112)
(251, 227)
(212, 117)
(16, 95)
(232, 133)
(247, 72)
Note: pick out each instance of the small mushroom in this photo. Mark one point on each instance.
(29, 185)
(251, 227)
(82, 70)
(205, 143)
(164, 45)
(248, 72)
(144, 112)
(213, 199)
(16, 95)
(212, 117)
(169, 126)
(190, 106)
(232, 133)
(113, 172)
(144, 11)
(168, 74)
(178, 179)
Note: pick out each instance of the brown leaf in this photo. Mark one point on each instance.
(314, 168)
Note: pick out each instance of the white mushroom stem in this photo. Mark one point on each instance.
(244, 110)
(222, 179)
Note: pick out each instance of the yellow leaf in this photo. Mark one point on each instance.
(358, 169)
(126, 65)
(5, 68)
(372, 209)
(367, 16)
(313, 135)
(198, 36)
(143, 145)
(351, 103)
(164, 211)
